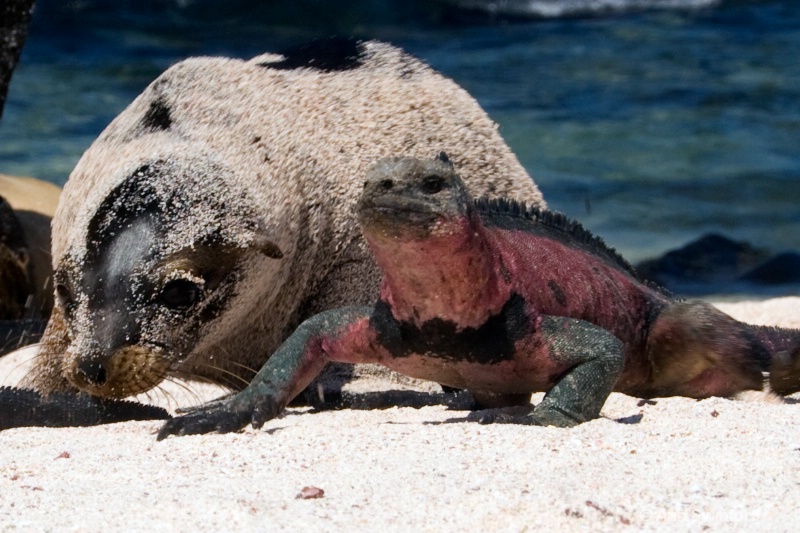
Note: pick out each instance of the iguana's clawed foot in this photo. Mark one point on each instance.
(204, 406)
(524, 415)
(502, 415)
(224, 415)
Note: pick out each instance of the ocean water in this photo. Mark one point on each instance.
(652, 127)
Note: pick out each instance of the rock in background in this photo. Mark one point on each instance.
(16, 15)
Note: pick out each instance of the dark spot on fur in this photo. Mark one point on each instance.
(558, 293)
(158, 117)
(492, 342)
(327, 55)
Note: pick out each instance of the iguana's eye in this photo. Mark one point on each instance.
(432, 184)
(180, 294)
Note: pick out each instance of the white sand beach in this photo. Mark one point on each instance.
(672, 464)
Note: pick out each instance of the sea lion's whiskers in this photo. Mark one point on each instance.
(183, 385)
(23, 363)
(171, 401)
(227, 373)
(149, 389)
(192, 372)
(244, 367)
(227, 356)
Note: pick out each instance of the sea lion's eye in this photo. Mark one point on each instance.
(64, 297)
(180, 294)
(432, 184)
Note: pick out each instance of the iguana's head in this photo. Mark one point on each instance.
(427, 237)
(411, 199)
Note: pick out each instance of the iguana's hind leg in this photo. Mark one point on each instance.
(695, 350)
(595, 359)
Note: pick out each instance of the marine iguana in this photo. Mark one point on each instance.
(503, 300)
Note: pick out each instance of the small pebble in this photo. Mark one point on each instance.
(310, 493)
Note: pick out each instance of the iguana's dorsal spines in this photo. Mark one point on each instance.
(444, 159)
(561, 223)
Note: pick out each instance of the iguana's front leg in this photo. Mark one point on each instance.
(290, 369)
(596, 359)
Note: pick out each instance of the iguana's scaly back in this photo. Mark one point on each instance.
(512, 214)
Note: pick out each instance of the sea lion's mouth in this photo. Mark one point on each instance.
(126, 372)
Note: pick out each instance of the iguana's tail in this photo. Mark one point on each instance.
(25, 407)
(783, 347)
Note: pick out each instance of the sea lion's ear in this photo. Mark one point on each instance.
(267, 247)
(444, 159)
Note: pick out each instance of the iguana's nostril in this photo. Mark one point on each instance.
(386, 184)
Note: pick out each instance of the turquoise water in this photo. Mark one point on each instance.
(650, 127)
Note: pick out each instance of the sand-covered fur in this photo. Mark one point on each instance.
(216, 212)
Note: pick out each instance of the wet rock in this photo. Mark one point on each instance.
(715, 263)
(712, 258)
(784, 268)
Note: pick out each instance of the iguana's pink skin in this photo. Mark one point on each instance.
(503, 301)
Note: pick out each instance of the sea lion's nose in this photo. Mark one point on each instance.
(93, 372)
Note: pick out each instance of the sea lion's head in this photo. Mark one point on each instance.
(161, 259)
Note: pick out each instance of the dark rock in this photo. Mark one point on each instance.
(710, 259)
(714, 264)
(784, 268)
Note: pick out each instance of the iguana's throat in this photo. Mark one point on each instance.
(450, 274)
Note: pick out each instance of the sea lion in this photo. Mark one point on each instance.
(15, 283)
(34, 203)
(215, 213)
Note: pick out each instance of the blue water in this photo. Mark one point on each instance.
(652, 127)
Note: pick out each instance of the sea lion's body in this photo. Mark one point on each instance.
(216, 212)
